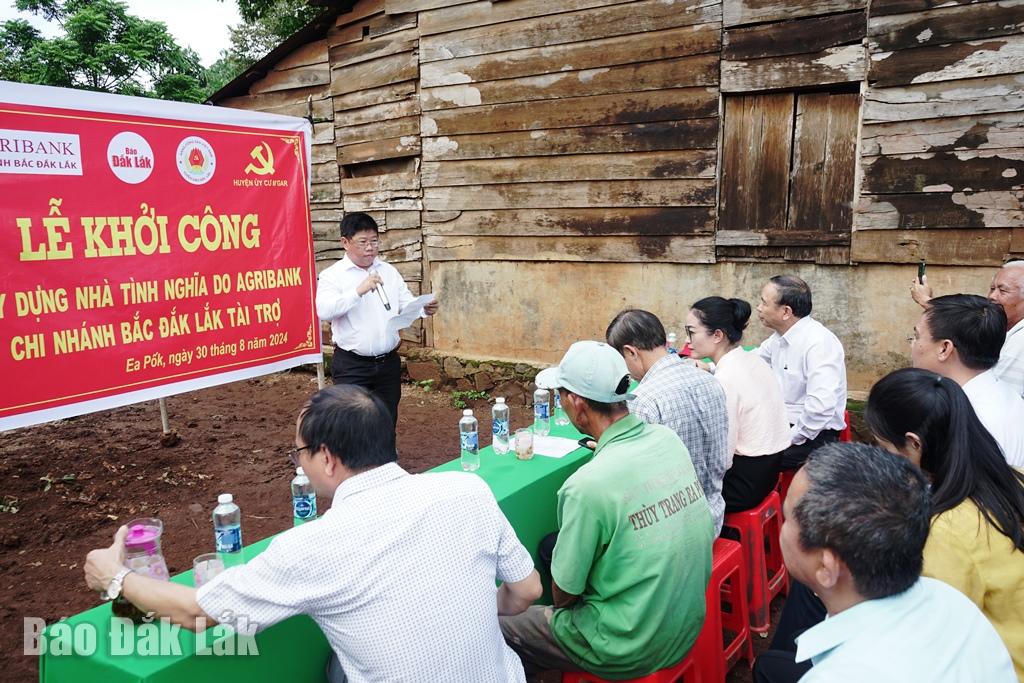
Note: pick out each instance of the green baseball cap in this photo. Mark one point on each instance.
(590, 369)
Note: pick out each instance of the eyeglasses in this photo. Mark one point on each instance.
(363, 244)
(689, 331)
(293, 454)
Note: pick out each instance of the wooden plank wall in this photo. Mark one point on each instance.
(788, 153)
(572, 130)
(943, 133)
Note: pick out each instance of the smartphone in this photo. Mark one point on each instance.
(920, 272)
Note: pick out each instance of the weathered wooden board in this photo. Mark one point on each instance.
(323, 133)
(946, 25)
(624, 166)
(598, 53)
(373, 74)
(570, 27)
(846, 64)
(824, 159)
(326, 173)
(378, 112)
(882, 7)
(390, 148)
(323, 109)
(396, 6)
(976, 171)
(361, 10)
(310, 53)
(325, 193)
(636, 249)
(582, 194)
(674, 220)
(939, 210)
(735, 12)
(369, 49)
(642, 107)
(389, 199)
(794, 37)
(402, 220)
(381, 183)
(781, 238)
(636, 137)
(385, 128)
(935, 63)
(391, 24)
(967, 97)
(290, 79)
(485, 13)
(949, 246)
(668, 73)
(393, 92)
(823, 255)
(756, 153)
(987, 131)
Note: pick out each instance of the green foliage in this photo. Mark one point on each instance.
(460, 398)
(49, 481)
(10, 504)
(425, 384)
(101, 48)
(265, 24)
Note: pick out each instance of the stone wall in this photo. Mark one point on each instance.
(447, 372)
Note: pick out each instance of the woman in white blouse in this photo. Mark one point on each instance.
(758, 426)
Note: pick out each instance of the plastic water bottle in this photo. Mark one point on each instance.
(303, 499)
(541, 412)
(499, 426)
(561, 419)
(671, 344)
(227, 529)
(469, 441)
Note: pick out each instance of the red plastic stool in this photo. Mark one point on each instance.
(785, 479)
(758, 530)
(684, 672)
(846, 436)
(727, 615)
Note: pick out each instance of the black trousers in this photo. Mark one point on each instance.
(749, 480)
(802, 610)
(793, 458)
(380, 374)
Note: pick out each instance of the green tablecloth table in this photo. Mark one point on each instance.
(295, 649)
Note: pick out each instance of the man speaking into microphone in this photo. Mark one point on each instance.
(358, 295)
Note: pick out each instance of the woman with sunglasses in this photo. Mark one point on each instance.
(976, 543)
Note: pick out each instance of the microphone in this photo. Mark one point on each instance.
(383, 296)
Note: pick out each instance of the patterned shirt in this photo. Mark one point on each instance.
(1010, 368)
(691, 403)
(399, 574)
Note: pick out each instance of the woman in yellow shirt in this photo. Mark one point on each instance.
(976, 543)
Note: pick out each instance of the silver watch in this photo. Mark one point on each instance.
(114, 587)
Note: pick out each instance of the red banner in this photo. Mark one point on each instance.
(147, 248)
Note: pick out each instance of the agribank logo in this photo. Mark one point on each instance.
(33, 152)
(130, 157)
(196, 160)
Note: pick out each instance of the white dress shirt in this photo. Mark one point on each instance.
(758, 423)
(399, 575)
(810, 365)
(1001, 410)
(929, 632)
(1010, 368)
(359, 323)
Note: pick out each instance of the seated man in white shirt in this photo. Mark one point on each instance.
(810, 364)
(959, 336)
(365, 352)
(399, 574)
(1007, 290)
(856, 521)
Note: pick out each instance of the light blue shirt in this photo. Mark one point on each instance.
(930, 632)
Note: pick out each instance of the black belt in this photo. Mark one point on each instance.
(369, 359)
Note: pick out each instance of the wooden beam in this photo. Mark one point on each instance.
(974, 171)
(675, 220)
(939, 210)
(943, 25)
(780, 238)
(947, 247)
(292, 79)
(833, 65)
(630, 249)
(478, 14)
(968, 97)
(936, 63)
(736, 12)
(794, 37)
(582, 194)
(988, 131)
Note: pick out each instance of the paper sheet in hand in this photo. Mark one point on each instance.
(409, 314)
(553, 446)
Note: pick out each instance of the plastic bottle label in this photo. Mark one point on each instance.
(229, 540)
(500, 427)
(540, 411)
(468, 441)
(304, 507)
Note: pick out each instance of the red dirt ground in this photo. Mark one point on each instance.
(75, 481)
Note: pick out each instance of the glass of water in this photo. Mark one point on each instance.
(524, 444)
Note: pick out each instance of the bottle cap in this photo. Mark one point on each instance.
(225, 498)
(468, 411)
(300, 471)
(500, 399)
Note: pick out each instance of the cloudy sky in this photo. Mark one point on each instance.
(199, 24)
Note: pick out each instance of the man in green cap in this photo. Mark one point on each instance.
(633, 555)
